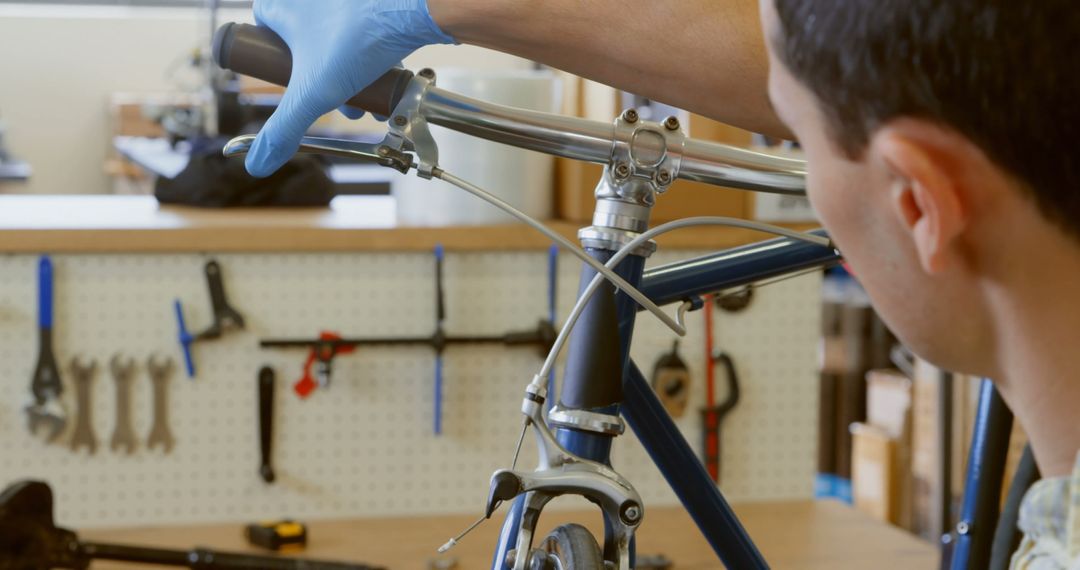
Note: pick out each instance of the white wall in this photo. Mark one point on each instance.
(59, 64)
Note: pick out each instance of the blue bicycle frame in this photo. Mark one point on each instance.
(601, 377)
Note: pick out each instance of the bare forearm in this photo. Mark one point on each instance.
(706, 56)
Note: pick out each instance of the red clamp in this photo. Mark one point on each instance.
(324, 353)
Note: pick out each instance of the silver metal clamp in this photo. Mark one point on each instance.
(586, 420)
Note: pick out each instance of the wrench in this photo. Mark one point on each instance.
(46, 387)
(123, 434)
(159, 376)
(84, 427)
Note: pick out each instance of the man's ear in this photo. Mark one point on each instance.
(925, 192)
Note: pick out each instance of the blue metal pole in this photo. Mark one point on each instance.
(982, 484)
(734, 268)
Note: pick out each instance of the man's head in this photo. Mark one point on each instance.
(928, 125)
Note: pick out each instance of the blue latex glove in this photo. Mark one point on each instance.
(338, 47)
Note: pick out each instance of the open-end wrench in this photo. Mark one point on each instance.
(123, 434)
(84, 425)
(159, 377)
(45, 387)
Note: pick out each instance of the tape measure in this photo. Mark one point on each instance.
(281, 536)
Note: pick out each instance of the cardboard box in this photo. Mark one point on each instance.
(875, 473)
(888, 402)
(888, 407)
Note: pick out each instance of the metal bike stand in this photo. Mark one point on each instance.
(982, 484)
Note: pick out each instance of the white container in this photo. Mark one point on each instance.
(523, 178)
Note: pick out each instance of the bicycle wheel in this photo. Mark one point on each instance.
(572, 547)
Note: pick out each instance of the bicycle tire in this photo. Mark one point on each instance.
(573, 547)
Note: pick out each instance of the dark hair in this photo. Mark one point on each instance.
(1000, 72)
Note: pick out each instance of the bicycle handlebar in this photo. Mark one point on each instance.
(259, 52)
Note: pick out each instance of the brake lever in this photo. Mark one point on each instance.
(381, 154)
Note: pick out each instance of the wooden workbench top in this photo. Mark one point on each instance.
(802, 535)
(106, 224)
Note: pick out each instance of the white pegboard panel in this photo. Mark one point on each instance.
(364, 447)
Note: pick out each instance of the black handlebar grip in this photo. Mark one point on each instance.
(260, 53)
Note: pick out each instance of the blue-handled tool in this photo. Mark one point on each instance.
(46, 385)
(185, 338)
(225, 317)
(45, 293)
(440, 336)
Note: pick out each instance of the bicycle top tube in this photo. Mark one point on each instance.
(593, 141)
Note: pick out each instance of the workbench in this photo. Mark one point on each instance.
(139, 224)
(795, 535)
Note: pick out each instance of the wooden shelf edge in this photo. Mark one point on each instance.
(276, 240)
(137, 224)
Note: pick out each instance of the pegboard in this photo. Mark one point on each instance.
(364, 447)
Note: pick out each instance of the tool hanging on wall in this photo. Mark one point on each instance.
(30, 540)
(266, 380)
(671, 381)
(123, 433)
(160, 434)
(225, 317)
(83, 376)
(329, 345)
(713, 414)
(46, 408)
(321, 358)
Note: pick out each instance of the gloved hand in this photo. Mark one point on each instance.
(338, 47)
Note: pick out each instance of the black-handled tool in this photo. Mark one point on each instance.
(46, 386)
(266, 421)
(225, 317)
(30, 540)
(260, 53)
(671, 381)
